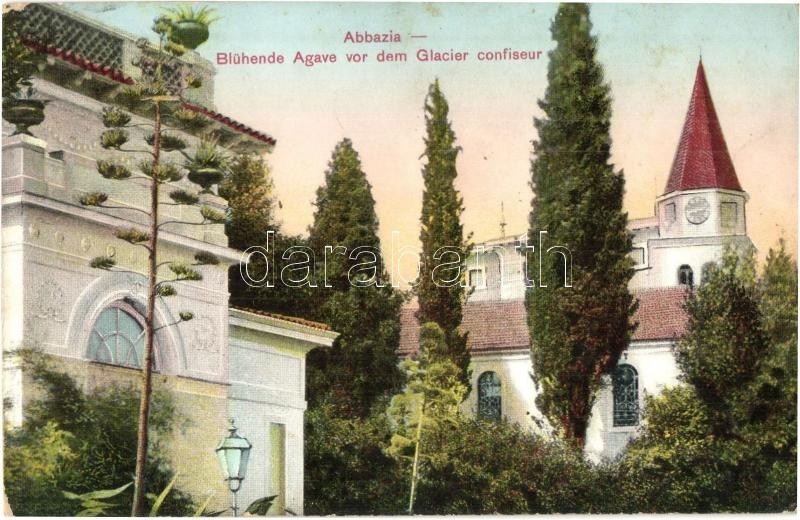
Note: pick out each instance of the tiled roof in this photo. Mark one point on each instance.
(502, 325)
(660, 314)
(492, 326)
(239, 127)
(291, 319)
(702, 159)
(120, 77)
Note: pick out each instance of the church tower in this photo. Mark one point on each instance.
(702, 209)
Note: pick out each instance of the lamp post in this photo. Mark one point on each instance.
(233, 453)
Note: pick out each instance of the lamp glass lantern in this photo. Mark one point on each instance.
(233, 453)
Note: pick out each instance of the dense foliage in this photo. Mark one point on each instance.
(727, 441)
(497, 467)
(248, 188)
(77, 442)
(439, 289)
(347, 471)
(353, 293)
(479, 467)
(251, 222)
(345, 217)
(579, 314)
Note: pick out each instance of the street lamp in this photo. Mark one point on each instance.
(233, 453)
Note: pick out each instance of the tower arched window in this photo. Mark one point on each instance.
(626, 396)
(685, 275)
(118, 337)
(489, 400)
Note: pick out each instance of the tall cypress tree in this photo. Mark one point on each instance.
(362, 365)
(345, 215)
(577, 332)
(440, 300)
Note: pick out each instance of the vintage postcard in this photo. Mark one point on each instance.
(300, 258)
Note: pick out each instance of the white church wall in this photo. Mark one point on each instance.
(656, 368)
(518, 392)
(666, 256)
(653, 361)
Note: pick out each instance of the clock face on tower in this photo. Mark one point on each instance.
(697, 210)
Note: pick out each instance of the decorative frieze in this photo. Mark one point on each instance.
(49, 301)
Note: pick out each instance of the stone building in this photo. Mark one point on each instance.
(701, 212)
(226, 362)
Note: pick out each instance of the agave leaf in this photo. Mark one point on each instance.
(162, 497)
(200, 510)
(132, 235)
(91, 504)
(190, 119)
(95, 198)
(113, 138)
(95, 511)
(163, 172)
(112, 170)
(102, 262)
(212, 215)
(206, 258)
(261, 506)
(105, 493)
(184, 197)
(114, 117)
(169, 142)
(185, 272)
(166, 290)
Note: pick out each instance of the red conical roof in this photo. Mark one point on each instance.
(702, 159)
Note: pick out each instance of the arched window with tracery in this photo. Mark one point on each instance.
(118, 337)
(685, 275)
(489, 400)
(626, 396)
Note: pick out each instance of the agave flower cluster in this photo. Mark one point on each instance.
(158, 96)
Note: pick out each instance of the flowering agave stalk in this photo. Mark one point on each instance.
(157, 97)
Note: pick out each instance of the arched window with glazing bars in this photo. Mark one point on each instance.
(626, 396)
(489, 397)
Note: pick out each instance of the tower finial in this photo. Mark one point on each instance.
(502, 221)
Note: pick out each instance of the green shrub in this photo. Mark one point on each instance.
(77, 442)
(498, 467)
(346, 469)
